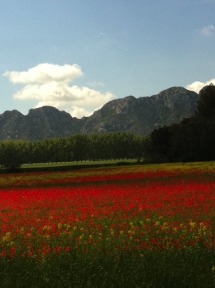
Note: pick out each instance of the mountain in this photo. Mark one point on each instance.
(142, 115)
(129, 114)
(39, 123)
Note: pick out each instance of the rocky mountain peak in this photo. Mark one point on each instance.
(129, 114)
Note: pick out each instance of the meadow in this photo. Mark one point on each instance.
(126, 226)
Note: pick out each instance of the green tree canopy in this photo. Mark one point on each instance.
(206, 103)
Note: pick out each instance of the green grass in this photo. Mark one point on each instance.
(178, 269)
(75, 165)
(66, 166)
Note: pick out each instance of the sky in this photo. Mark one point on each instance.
(77, 55)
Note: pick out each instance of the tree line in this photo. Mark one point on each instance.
(75, 148)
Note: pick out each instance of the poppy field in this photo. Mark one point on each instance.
(128, 226)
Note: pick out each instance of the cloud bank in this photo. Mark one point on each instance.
(197, 86)
(49, 84)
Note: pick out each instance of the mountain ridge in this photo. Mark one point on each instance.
(129, 114)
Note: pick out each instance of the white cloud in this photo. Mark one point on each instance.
(49, 85)
(44, 73)
(197, 86)
(208, 30)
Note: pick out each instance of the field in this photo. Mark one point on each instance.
(126, 226)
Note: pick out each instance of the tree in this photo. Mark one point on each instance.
(206, 103)
(80, 148)
(11, 156)
(159, 146)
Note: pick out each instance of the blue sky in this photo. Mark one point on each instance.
(77, 55)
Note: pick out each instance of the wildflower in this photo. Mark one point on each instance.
(81, 236)
(7, 237)
(12, 251)
(131, 232)
(59, 226)
(192, 224)
(164, 227)
(67, 249)
(3, 254)
(46, 227)
(22, 229)
(67, 226)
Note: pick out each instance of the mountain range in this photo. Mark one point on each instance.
(129, 114)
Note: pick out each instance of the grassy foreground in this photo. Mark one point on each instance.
(127, 226)
(165, 269)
